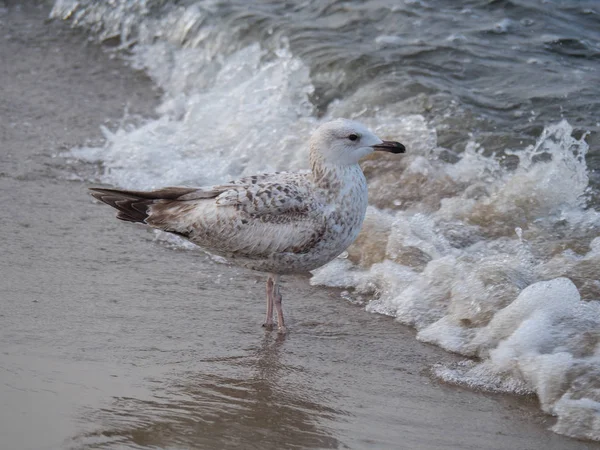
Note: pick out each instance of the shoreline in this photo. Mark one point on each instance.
(113, 339)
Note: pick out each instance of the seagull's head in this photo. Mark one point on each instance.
(344, 142)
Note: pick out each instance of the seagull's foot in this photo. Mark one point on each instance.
(269, 325)
(282, 330)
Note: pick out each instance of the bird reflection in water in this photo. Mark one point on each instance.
(261, 403)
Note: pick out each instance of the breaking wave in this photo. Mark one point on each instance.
(494, 256)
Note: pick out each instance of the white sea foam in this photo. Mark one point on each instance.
(482, 260)
(252, 109)
(474, 287)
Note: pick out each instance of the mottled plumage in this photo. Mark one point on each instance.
(279, 223)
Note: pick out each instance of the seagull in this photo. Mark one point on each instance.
(279, 223)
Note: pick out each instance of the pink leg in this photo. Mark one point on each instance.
(278, 307)
(270, 285)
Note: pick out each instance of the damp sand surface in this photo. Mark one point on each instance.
(111, 339)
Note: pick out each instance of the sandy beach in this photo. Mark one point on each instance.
(110, 339)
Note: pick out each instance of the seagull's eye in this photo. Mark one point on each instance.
(353, 137)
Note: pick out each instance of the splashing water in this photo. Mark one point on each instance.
(207, 136)
(472, 286)
(486, 260)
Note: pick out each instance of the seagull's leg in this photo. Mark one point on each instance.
(278, 308)
(270, 294)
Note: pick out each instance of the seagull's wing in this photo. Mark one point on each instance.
(252, 220)
(249, 220)
(267, 199)
(300, 177)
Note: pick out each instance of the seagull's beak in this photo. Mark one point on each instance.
(390, 146)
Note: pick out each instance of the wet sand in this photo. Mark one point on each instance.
(111, 339)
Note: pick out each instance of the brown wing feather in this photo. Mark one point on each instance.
(133, 205)
(255, 219)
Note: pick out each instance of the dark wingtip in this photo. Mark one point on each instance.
(94, 191)
(131, 208)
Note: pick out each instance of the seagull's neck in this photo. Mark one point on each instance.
(334, 178)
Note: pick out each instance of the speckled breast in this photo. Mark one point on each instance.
(343, 221)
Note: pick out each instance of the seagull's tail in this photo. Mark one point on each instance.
(133, 205)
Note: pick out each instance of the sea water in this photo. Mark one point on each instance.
(483, 236)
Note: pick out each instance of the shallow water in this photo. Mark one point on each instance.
(497, 105)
